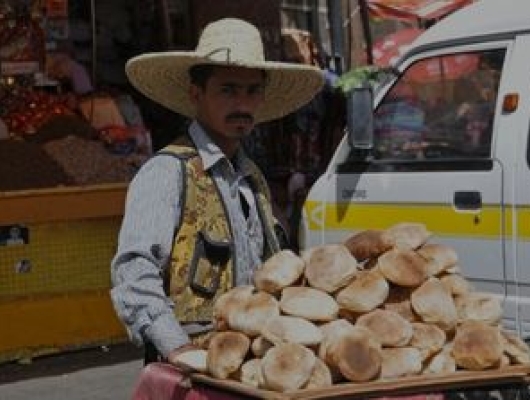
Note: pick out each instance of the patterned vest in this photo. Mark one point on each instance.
(202, 260)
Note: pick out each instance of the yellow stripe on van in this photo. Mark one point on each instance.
(438, 218)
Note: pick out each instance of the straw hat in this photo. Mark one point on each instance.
(164, 78)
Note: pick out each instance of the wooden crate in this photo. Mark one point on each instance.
(516, 375)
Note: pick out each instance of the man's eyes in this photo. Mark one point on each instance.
(258, 89)
(228, 89)
(250, 90)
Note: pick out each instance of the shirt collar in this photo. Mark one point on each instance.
(211, 154)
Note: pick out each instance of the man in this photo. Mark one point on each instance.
(198, 219)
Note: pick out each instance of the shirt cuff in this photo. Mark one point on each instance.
(166, 334)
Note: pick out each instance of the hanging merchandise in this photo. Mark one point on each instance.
(21, 41)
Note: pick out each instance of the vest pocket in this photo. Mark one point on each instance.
(209, 261)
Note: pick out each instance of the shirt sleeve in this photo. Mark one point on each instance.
(152, 209)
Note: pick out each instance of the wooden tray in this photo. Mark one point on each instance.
(407, 385)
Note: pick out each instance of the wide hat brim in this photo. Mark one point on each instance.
(163, 77)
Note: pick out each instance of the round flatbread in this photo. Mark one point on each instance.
(477, 346)
(251, 313)
(402, 361)
(407, 235)
(367, 291)
(280, 270)
(329, 267)
(479, 306)
(287, 366)
(288, 329)
(367, 244)
(434, 304)
(390, 328)
(309, 303)
(357, 355)
(226, 352)
(439, 257)
(403, 267)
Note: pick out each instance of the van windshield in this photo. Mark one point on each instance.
(441, 107)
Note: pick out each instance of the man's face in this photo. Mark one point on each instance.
(227, 104)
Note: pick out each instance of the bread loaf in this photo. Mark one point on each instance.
(309, 303)
(439, 257)
(406, 235)
(515, 348)
(287, 329)
(477, 346)
(402, 361)
(320, 376)
(390, 328)
(357, 355)
(251, 373)
(195, 359)
(478, 306)
(249, 314)
(367, 244)
(434, 304)
(427, 338)
(403, 267)
(287, 366)
(281, 270)
(226, 352)
(225, 303)
(367, 290)
(329, 267)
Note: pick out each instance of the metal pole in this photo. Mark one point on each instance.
(166, 24)
(365, 19)
(335, 25)
(94, 41)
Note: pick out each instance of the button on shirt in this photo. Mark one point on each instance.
(153, 207)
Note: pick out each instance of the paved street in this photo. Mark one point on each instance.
(95, 374)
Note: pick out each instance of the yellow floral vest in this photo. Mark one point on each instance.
(202, 259)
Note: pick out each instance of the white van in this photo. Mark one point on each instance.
(448, 147)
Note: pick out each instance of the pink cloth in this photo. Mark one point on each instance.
(162, 381)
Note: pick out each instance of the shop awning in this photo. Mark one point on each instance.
(413, 10)
(387, 49)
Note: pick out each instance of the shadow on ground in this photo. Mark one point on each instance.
(68, 362)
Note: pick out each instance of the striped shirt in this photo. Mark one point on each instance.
(153, 207)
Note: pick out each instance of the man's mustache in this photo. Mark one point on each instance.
(239, 116)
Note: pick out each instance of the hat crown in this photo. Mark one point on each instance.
(231, 41)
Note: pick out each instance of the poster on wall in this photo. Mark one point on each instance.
(57, 8)
(21, 47)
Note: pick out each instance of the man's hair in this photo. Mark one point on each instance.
(200, 73)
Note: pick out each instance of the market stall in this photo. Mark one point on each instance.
(68, 151)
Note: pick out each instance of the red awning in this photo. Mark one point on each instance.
(413, 10)
(447, 67)
(390, 47)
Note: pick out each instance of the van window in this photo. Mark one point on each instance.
(441, 108)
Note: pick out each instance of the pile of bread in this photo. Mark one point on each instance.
(382, 305)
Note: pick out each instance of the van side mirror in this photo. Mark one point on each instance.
(360, 121)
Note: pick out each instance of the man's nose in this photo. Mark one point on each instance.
(245, 100)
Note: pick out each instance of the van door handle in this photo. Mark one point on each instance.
(468, 200)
